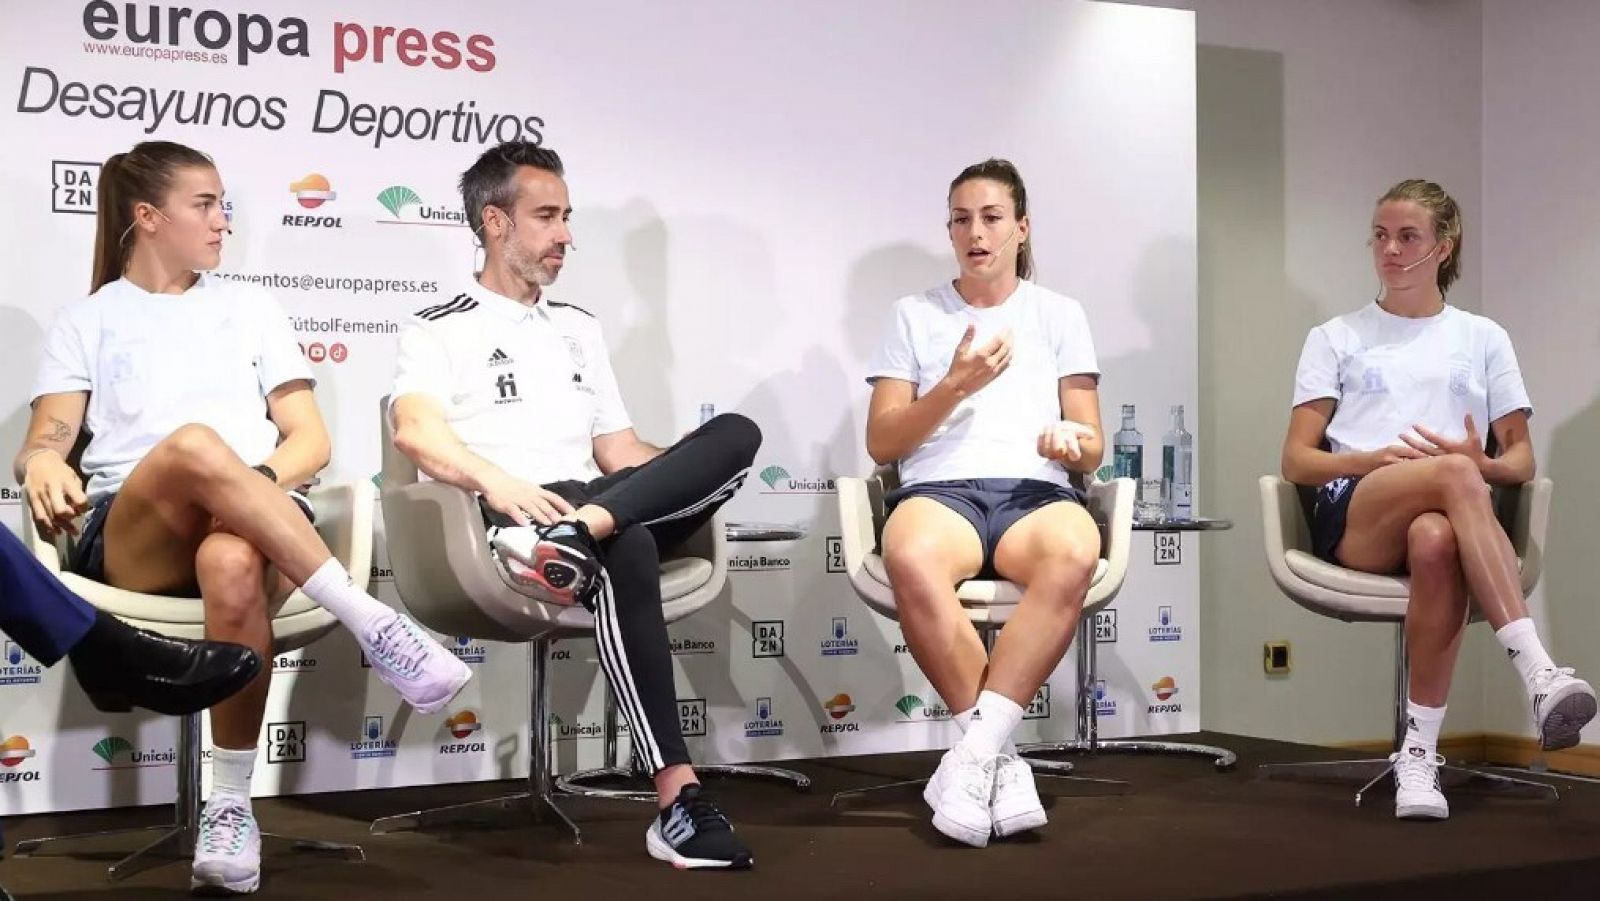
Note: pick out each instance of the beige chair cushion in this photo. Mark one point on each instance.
(979, 592)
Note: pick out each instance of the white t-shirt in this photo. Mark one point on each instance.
(527, 388)
(1390, 373)
(994, 433)
(154, 362)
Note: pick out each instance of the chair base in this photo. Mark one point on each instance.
(177, 843)
(1050, 769)
(540, 806)
(1222, 758)
(573, 784)
(1322, 770)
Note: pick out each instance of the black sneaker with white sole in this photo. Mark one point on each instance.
(692, 834)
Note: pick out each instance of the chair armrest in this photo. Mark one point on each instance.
(1111, 506)
(1525, 511)
(857, 527)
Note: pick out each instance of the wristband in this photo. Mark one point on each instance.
(267, 471)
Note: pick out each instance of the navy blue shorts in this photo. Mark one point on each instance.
(1328, 514)
(89, 551)
(991, 505)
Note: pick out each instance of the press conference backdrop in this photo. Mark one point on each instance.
(754, 186)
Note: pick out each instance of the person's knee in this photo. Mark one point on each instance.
(742, 434)
(232, 578)
(1431, 544)
(915, 562)
(1068, 568)
(1458, 475)
(197, 450)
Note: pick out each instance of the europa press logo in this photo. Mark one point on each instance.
(15, 751)
(311, 192)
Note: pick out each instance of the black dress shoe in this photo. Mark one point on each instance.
(121, 667)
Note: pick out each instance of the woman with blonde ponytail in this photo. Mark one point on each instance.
(1393, 406)
(201, 422)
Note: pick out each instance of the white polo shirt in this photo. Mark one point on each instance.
(527, 388)
(154, 362)
(992, 434)
(1390, 373)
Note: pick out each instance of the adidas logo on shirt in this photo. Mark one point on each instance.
(500, 358)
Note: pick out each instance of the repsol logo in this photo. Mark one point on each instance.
(836, 728)
(1166, 708)
(466, 747)
(237, 37)
(312, 221)
(29, 776)
(902, 649)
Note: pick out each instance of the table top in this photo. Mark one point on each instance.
(1198, 524)
(763, 531)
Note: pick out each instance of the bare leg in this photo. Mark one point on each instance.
(233, 579)
(1052, 552)
(165, 509)
(1388, 500)
(928, 549)
(1436, 617)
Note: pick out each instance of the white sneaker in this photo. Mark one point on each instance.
(1562, 704)
(935, 786)
(962, 812)
(1417, 795)
(227, 856)
(1015, 805)
(424, 673)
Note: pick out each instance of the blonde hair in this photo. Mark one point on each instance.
(1446, 216)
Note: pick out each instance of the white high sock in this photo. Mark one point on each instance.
(964, 722)
(1521, 641)
(993, 721)
(231, 771)
(1422, 726)
(332, 587)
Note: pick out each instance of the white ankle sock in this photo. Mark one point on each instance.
(358, 611)
(231, 771)
(993, 721)
(1422, 726)
(1521, 641)
(964, 722)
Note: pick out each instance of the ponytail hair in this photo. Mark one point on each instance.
(1446, 216)
(142, 175)
(1004, 172)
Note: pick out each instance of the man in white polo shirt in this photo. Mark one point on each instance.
(508, 394)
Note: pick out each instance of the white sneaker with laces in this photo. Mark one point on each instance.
(1562, 705)
(1417, 795)
(962, 812)
(424, 673)
(1015, 805)
(227, 855)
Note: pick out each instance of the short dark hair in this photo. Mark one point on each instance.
(492, 180)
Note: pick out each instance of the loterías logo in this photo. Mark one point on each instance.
(210, 36)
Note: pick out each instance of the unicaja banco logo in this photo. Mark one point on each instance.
(914, 710)
(107, 749)
(772, 475)
(779, 481)
(119, 753)
(397, 198)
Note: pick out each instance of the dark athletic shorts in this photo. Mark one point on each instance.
(991, 505)
(1328, 516)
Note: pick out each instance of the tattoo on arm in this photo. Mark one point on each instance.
(59, 430)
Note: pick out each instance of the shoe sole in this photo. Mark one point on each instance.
(977, 838)
(217, 888)
(1566, 719)
(1420, 812)
(660, 850)
(463, 676)
(556, 570)
(1020, 822)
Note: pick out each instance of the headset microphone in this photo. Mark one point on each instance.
(1424, 259)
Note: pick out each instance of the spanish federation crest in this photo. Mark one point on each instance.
(575, 350)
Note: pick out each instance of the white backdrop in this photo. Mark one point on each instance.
(754, 186)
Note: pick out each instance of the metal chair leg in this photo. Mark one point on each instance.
(539, 798)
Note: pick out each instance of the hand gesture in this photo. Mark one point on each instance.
(972, 368)
(1434, 445)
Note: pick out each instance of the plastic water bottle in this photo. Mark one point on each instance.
(707, 411)
(1177, 470)
(1127, 453)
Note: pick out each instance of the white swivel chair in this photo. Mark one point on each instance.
(1358, 597)
(990, 603)
(449, 580)
(344, 520)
